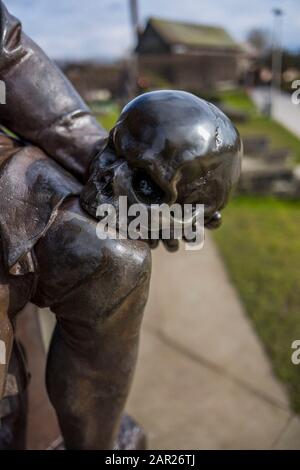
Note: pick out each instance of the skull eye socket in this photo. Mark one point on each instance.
(146, 189)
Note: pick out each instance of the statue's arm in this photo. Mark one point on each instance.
(42, 106)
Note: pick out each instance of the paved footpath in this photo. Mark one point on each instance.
(203, 379)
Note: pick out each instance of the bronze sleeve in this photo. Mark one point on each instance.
(42, 106)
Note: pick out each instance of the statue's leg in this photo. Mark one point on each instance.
(97, 290)
(14, 294)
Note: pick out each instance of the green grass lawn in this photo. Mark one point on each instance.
(260, 243)
(107, 113)
(108, 120)
(237, 99)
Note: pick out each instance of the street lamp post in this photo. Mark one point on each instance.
(133, 65)
(276, 56)
(135, 18)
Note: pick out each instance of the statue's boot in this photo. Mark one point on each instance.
(131, 436)
(13, 406)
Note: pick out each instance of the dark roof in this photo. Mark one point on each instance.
(192, 35)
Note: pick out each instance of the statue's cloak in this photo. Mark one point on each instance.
(32, 187)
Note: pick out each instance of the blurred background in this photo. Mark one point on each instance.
(215, 367)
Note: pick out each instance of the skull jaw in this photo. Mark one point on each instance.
(120, 180)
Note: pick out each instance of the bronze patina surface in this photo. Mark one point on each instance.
(167, 146)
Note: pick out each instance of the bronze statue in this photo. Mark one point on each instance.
(167, 146)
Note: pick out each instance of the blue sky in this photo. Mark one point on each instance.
(80, 29)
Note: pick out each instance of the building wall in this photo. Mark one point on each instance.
(202, 72)
(89, 76)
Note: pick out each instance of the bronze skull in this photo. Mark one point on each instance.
(166, 147)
